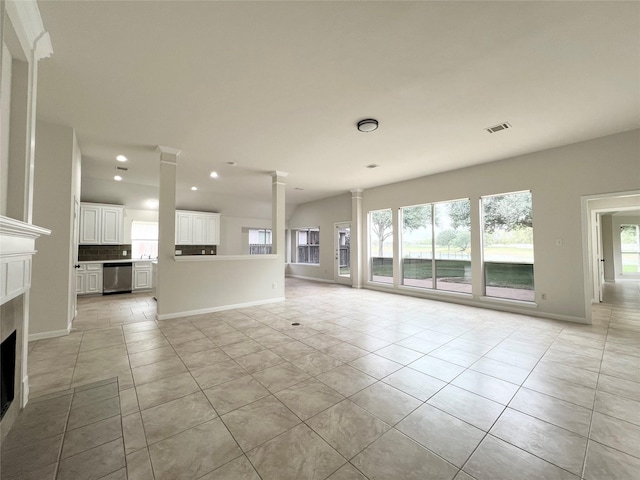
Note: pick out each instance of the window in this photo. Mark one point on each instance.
(144, 239)
(308, 245)
(437, 238)
(452, 245)
(508, 246)
(630, 248)
(259, 241)
(381, 246)
(417, 246)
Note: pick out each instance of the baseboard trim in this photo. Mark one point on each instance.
(461, 299)
(25, 391)
(313, 279)
(190, 313)
(51, 334)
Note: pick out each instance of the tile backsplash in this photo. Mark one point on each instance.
(89, 253)
(197, 249)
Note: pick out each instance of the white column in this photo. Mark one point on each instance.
(166, 217)
(278, 213)
(477, 268)
(41, 49)
(357, 237)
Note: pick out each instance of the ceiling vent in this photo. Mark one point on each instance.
(497, 128)
(124, 169)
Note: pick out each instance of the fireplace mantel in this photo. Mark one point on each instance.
(17, 246)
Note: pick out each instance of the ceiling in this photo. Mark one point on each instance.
(281, 86)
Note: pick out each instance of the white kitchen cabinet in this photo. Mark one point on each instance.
(90, 221)
(81, 280)
(142, 278)
(197, 228)
(212, 230)
(89, 279)
(183, 228)
(112, 226)
(101, 224)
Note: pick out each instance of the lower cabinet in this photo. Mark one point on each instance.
(142, 278)
(89, 279)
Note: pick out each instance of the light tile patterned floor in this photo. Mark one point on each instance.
(370, 385)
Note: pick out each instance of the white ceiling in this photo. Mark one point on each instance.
(281, 85)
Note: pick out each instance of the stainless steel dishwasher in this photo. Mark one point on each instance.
(116, 277)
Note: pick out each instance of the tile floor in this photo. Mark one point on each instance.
(369, 385)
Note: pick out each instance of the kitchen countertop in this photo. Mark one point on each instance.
(123, 260)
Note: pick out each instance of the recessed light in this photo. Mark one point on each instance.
(121, 158)
(117, 178)
(372, 165)
(298, 188)
(232, 164)
(368, 125)
(194, 189)
(152, 203)
(213, 174)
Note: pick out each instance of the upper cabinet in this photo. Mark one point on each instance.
(197, 228)
(101, 224)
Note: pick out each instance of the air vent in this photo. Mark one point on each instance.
(372, 165)
(124, 169)
(497, 128)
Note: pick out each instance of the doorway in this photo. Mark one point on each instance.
(342, 247)
(593, 207)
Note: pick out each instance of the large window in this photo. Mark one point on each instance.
(381, 246)
(259, 241)
(508, 246)
(417, 246)
(436, 246)
(630, 248)
(308, 245)
(144, 239)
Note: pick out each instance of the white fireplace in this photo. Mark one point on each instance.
(17, 247)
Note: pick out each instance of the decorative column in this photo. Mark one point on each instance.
(166, 217)
(36, 44)
(357, 236)
(278, 213)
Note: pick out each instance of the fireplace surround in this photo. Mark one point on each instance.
(17, 247)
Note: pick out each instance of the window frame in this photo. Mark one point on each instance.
(434, 260)
(484, 261)
(309, 246)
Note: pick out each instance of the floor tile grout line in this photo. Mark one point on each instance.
(381, 379)
(586, 450)
(499, 416)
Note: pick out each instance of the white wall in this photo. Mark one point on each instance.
(56, 178)
(323, 214)
(235, 241)
(212, 283)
